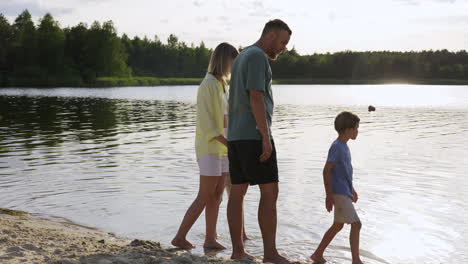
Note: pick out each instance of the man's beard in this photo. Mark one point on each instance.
(272, 55)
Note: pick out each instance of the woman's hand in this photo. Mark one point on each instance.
(221, 140)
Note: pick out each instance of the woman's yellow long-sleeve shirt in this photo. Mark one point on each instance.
(210, 118)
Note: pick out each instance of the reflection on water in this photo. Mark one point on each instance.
(120, 160)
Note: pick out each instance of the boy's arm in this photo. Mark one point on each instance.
(355, 196)
(328, 186)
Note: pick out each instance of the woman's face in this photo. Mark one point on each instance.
(228, 65)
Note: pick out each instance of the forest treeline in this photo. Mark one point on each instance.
(44, 54)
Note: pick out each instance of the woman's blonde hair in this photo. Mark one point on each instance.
(219, 59)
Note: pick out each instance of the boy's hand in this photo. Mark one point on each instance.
(329, 203)
(355, 196)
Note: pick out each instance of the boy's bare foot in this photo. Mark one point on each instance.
(317, 259)
(278, 259)
(242, 256)
(213, 245)
(182, 243)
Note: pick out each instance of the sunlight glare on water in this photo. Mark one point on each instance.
(123, 160)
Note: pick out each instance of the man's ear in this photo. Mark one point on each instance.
(271, 35)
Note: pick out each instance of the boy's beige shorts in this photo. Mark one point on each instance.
(344, 209)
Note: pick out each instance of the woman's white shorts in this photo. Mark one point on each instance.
(213, 165)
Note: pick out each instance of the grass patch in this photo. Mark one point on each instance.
(371, 81)
(143, 81)
(13, 212)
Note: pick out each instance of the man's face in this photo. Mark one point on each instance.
(278, 43)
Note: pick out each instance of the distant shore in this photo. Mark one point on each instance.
(26, 238)
(153, 81)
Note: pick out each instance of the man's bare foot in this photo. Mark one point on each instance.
(242, 256)
(182, 243)
(213, 245)
(278, 259)
(317, 259)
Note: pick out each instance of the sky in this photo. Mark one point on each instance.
(318, 26)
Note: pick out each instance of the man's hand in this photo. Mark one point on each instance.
(355, 196)
(329, 202)
(267, 149)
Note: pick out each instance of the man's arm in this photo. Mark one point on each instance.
(259, 112)
(328, 187)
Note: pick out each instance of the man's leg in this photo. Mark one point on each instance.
(268, 221)
(235, 220)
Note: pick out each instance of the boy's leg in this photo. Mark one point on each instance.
(354, 241)
(317, 256)
(235, 220)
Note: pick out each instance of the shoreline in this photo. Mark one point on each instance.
(33, 238)
(105, 82)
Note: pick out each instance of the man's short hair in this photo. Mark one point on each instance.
(276, 24)
(345, 120)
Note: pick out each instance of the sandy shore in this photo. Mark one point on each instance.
(26, 238)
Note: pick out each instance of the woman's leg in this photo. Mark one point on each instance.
(211, 214)
(205, 192)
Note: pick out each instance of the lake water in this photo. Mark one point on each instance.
(123, 160)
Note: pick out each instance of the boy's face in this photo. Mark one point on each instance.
(353, 132)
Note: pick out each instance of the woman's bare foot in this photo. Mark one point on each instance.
(317, 259)
(213, 245)
(278, 259)
(182, 243)
(242, 256)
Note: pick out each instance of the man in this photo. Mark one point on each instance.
(251, 150)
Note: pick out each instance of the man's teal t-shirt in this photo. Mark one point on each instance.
(250, 71)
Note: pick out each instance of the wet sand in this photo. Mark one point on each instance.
(26, 238)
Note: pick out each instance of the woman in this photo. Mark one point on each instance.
(211, 147)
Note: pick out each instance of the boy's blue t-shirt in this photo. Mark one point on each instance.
(342, 172)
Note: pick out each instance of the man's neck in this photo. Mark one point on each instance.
(261, 44)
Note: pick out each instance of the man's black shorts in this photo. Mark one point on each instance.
(245, 165)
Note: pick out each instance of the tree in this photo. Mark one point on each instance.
(51, 43)
(6, 37)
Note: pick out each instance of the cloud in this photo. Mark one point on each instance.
(202, 19)
(452, 20)
(409, 2)
(419, 2)
(34, 7)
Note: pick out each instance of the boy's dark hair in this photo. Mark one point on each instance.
(276, 24)
(345, 120)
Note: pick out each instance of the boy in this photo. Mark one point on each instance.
(338, 181)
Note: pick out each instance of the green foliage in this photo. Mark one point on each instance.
(95, 55)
